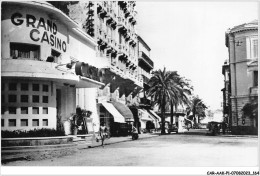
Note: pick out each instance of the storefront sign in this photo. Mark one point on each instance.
(86, 70)
(50, 30)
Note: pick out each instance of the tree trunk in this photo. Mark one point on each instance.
(163, 116)
(171, 112)
(194, 117)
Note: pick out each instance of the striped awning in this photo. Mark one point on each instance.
(124, 110)
(155, 115)
(144, 115)
(113, 111)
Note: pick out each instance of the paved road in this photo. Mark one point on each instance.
(169, 150)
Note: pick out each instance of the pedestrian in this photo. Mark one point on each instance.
(224, 128)
(102, 133)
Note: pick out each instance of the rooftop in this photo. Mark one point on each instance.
(246, 26)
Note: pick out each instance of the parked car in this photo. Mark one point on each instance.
(170, 127)
(173, 128)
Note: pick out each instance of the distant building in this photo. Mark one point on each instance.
(242, 43)
(226, 94)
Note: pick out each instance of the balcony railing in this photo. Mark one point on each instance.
(146, 58)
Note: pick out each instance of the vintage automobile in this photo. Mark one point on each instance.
(217, 127)
(170, 127)
(173, 128)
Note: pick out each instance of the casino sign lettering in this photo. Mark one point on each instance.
(48, 37)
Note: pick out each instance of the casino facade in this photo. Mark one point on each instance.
(46, 67)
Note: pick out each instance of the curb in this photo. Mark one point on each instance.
(115, 142)
(239, 136)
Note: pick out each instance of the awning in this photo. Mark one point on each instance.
(112, 110)
(124, 110)
(155, 115)
(144, 115)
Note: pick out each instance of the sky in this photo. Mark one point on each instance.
(189, 37)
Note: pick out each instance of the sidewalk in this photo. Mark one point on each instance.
(113, 140)
(232, 135)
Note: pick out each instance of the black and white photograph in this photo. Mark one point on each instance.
(129, 87)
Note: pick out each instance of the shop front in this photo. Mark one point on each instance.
(112, 118)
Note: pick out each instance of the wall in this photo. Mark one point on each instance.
(240, 53)
(50, 116)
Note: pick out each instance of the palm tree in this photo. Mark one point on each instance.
(162, 90)
(197, 108)
(182, 90)
(183, 94)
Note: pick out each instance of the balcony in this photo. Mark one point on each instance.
(146, 59)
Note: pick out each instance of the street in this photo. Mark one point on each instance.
(176, 150)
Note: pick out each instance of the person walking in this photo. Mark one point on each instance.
(102, 133)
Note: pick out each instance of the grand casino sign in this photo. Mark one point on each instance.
(47, 35)
(89, 71)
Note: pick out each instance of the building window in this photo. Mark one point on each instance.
(54, 56)
(12, 98)
(45, 88)
(45, 99)
(12, 86)
(12, 110)
(255, 78)
(255, 48)
(36, 87)
(2, 122)
(24, 87)
(22, 50)
(24, 122)
(44, 110)
(24, 98)
(44, 122)
(35, 110)
(36, 98)
(35, 122)
(24, 110)
(12, 122)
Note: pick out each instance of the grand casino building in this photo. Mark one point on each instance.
(46, 67)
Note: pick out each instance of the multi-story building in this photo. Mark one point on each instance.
(112, 25)
(144, 117)
(45, 63)
(226, 104)
(242, 43)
